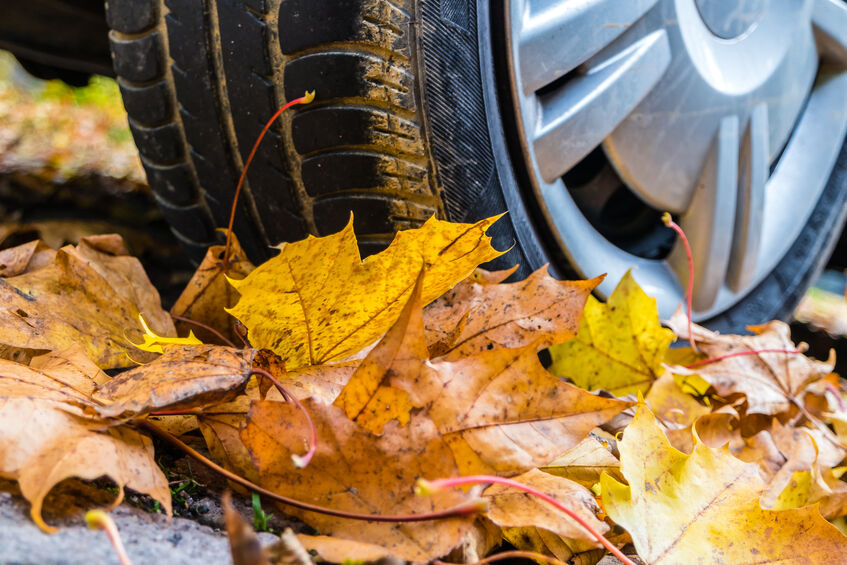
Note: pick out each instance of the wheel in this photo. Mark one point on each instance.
(586, 120)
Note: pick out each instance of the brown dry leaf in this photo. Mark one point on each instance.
(191, 376)
(512, 509)
(318, 302)
(771, 382)
(48, 432)
(502, 413)
(541, 541)
(441, 330)
(244, 544)
(704, 507)
(339, 550)
(586, 461)
(322, 381)
(41, 444)
(108, 256)
(20, 381)
(477, 316)
(357, 471)
(85, 296)
(221, 427)
(24, 258)
(208, 293)
(72, 367)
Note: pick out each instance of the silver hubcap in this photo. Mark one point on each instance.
(730, 115)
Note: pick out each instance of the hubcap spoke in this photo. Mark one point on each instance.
(709, 221)
(555, 39)
(576, 118)
(753, 176)
(830, 20)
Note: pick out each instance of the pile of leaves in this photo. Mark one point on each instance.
(358, 384)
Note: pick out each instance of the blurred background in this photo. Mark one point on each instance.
(69, 168)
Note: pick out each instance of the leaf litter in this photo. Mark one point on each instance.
(414, 364)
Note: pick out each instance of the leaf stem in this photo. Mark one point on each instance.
(300, 461)
(99, 519)
(425, 487)
(689, 294)
(740, 354)
(241, 331)
(465, 509)
(205, 327)
(308, 97)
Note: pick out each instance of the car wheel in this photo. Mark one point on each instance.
(586, 120)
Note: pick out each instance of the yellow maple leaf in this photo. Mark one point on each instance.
(620, 345)
(704, 507)
(318, 301)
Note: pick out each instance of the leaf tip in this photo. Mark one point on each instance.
(426, 488)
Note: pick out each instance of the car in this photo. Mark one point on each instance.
(586, 120)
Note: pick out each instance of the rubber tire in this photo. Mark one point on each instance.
(405, 125)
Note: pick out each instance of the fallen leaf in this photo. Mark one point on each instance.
(183, 377)
(71, 367)
(318, 302)
(704, 507)
(809, 456)
(819, 486)
(539, 540)
(477, 316)
(24, 258)
(357, 471)
(42, 444)
(108, 256)
(221, 427)
(339, 550)
(73, 301)
(502, 413)
(771, 382)
(673, 406)
(515, 510)
(321, 381)
(368, 398)
(441, 330)
(586, 461)
(20, 381)
(620, 345)
(208, 293)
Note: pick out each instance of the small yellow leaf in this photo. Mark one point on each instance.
(620, 345)
(153, 343)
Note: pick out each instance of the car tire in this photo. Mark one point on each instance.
(406, 124)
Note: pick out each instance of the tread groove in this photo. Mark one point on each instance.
(220, 65)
